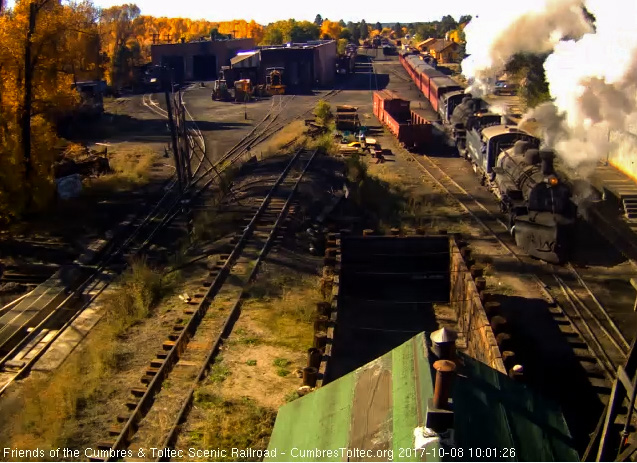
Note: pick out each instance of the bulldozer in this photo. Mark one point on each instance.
(242, 90)
(220, 90)
(274, 81)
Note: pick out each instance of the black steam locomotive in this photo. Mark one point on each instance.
(538, 200)
(507, 159)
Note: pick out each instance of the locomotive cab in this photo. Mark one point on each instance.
(487, 138)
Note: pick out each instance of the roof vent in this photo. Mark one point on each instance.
(443, 343)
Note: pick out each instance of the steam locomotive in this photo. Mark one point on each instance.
(536, 198)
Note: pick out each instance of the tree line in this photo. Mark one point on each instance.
(46, 46)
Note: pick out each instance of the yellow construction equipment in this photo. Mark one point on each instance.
(220, 90)
(274, 81)
(242, 90)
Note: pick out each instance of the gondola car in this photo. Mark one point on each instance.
(393, 112)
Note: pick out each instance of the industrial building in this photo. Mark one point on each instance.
(305, 65)
(200, 60)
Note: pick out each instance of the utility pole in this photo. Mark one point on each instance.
(186, 150)
(173, 131)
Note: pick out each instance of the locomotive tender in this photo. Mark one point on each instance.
(536, 198)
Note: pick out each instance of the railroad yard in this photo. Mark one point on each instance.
(195, 317)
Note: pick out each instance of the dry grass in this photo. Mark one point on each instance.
(230, 423)
(50, 404)
(384, 201)
(284, 306)
(130, 166)
(294, 135)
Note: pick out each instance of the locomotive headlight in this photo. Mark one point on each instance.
(552, 181)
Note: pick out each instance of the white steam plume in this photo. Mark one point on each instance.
(592, 73)
(512, 27)
(594, 83)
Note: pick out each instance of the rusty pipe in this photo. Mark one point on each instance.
(445, 371)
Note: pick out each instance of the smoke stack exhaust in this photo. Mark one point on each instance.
(547, 157)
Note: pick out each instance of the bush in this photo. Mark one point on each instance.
(323, 113)
(141, 288)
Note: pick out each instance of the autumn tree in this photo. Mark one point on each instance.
(318, 20)
(117, 29)
(378, 26)
(398, 29)
(42, 53)
(330, 29)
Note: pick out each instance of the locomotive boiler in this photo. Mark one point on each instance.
(538, 201)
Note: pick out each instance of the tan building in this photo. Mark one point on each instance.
(445, 51)
(424, 45)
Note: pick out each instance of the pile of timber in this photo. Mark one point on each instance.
(347, 118)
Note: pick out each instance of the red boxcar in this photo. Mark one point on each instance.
(393, 112)
(438, 87)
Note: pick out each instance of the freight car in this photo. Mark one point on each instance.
(393, 112)
(436, 86)
(538, 200)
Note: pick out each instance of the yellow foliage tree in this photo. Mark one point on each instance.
(44, 47)
(330, 29)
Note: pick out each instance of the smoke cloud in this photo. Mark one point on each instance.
(594, 83)
(499, 33)
(592, 74)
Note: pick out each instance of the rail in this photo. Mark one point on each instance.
(146, 398)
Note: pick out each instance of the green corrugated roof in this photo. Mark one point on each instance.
(377, 407)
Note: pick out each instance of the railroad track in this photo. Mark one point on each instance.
(596, 341)
(186, 362)
(573, 303)
(26, 334)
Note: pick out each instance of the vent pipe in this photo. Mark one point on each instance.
(445, 372)
(547, 157)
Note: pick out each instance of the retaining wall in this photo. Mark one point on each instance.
(468, 303)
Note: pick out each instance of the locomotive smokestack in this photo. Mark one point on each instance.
(532, 156)
(547, 157)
